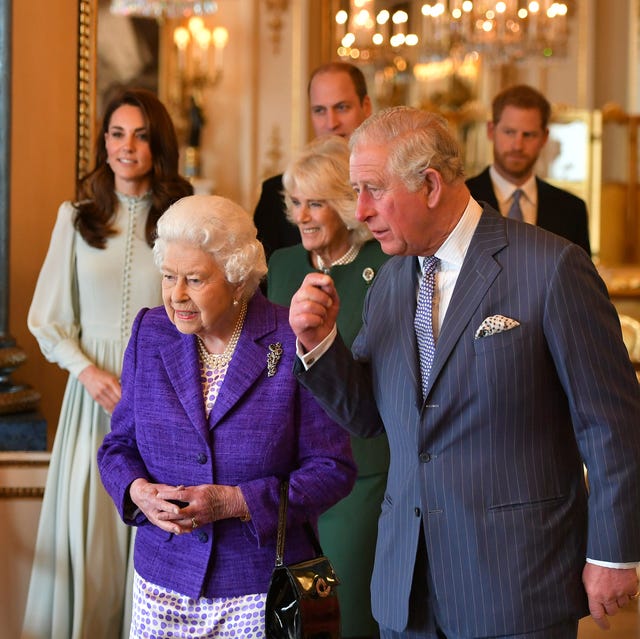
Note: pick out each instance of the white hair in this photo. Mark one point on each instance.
(221, 228)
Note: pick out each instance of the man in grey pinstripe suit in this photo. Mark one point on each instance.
(486, 529)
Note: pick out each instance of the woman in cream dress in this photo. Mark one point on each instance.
(97, 274)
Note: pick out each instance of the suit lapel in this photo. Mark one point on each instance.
(407, 298)
(478, 272)
(249, 361)
(181, 362)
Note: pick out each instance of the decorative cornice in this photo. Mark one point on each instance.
(277, 8)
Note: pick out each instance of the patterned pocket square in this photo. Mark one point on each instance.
(495, 324)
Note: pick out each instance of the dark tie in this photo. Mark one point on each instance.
(515, 212)
(423, 321)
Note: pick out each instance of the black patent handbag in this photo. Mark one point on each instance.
(302, 602)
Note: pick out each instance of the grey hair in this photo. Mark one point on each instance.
(416, 140)
(221, 228)
(321, 171)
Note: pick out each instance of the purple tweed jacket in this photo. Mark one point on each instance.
(260, 430)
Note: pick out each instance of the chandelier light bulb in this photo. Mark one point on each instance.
(220, 37)
(348, 40)
(362, 18)
(203, 38)
(400, 17)
(195, 24)
(181, 38)
(383, 17)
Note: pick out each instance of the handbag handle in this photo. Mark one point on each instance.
(282, 521)
(282, 526)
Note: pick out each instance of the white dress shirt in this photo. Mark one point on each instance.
(504, 194)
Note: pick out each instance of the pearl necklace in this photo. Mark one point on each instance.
(220, 360)
(347, 258)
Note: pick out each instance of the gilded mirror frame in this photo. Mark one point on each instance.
(86, 99)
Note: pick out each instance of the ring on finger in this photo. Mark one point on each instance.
(194, 523)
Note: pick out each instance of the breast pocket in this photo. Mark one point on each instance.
(504, 340)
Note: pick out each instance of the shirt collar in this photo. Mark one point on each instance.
(453, 250)
(504, 189)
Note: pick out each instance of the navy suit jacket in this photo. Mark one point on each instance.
(270, 217)
(559, 211)
(489, 465)
(261, 429)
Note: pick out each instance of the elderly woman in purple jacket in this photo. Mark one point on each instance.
(210, 420)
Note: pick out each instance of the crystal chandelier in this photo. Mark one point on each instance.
(502, 31)
(163, 8)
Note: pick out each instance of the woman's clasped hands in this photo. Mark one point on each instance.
(182, 509)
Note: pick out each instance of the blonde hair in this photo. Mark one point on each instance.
(321, 171)
(221, 228)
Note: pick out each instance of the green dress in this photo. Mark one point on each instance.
(348, 531)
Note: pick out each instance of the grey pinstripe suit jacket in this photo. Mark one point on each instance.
(490, 464)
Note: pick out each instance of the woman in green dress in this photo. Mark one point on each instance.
(321, 202)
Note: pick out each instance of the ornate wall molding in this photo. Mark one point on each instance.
(274, 153)
(23, 474)
(276, 9)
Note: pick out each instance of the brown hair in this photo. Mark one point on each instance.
(97, 200)
(521, 96)
(356, 75)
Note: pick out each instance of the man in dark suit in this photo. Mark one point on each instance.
(519, 130)
(487, 528)
(339, 103)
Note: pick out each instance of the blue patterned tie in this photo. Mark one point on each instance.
(515, 212)
(423, 321)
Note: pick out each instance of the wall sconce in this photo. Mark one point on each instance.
(199, 63)
(193, 43)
